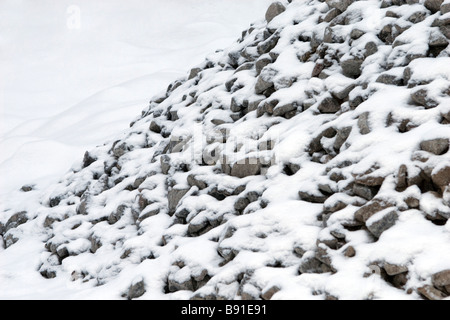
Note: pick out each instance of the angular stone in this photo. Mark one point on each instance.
(441, 279)
(341, 137)
(364, 213)
(268, 294)
(316, 197)
(420, 97)
(363, 191)
(363, 123)
(441, 178)
(356, 34)
(390, 79)
(382, 224)
(430, 293)
(262, 63)
(341, 5)
(329, 105)
(394, 269)
(274, 10)
(136, 290)
(165, 164)
(352, 67)
(119, 149)
(155, 127)
(193, 181)
(435, 146)
(445, 8)
(116, 215)
(263, 83)
(88, 159)
(370, 49)
(312, 265)
(174, 197)
(433, 5)
(283, 109)
(269, 44)
(349, 252)
(241, 204)
(194, 73)
(246, 167)
(15, 220)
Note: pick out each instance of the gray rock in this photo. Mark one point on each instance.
(262, 63)
(421, 98)
(445, 8)
(9, 239)
(364, 213)
(283, 109)
(363, 191)
(148, 214)
(356, 34)
(341, 136)
(430, 293)
(119, 149)
(370, 48)
(341, 5)
(193, 181)
(165, 164)
(268, 45)
(390, 79)
(441, 279)
(269, 293)
(155, 127)
(194, 73)
(96, 243)
(241, 204)
(274, 10)
(264, 82)
(445, 31)
(384, 223)
(174, 197)
(342, 94)
(333, 13)
(136, 290)
(316, 197)
(433, 5)
(27, 188)
(15, 220)
(312, 265)
(435, 146)
(116, 215)
(352, 67)
(329, 105)
(394, 269)
(363, 123)
(175, 285)
(88, 159)
(441, 177)
(349, 252)
(246, 167)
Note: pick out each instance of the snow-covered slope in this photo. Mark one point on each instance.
(308, 160)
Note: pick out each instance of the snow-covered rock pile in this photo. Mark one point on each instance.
(308, 160)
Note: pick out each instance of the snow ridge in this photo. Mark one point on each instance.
(309, 160)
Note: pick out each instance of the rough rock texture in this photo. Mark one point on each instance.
(310, 154)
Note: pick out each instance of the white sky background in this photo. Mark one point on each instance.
(75, 73)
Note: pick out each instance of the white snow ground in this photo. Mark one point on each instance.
(74, 74)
